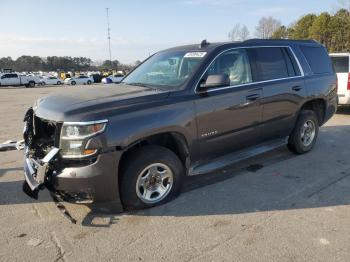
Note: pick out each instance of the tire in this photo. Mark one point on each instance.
(31, 84)
(73, 83)
(88, 82)
(58, 83)
(136, 169)
(43, 83)
(308, 125)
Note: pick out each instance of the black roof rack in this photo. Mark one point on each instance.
(257, 40)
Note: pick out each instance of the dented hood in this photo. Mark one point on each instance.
(94, 104)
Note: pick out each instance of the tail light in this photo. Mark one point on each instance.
(349, 81)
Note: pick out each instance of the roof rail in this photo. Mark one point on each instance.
(258, 40)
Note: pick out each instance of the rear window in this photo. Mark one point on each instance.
(270, 63)
(340, 64)
(318, 59)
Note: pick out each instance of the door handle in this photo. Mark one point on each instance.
(252, 97)
(297, 88)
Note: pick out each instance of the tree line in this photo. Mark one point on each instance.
(332, 30)
(27, 63)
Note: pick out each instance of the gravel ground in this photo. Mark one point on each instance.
(294, 208)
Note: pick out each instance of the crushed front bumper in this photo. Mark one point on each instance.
(35, 170)
(95, 182)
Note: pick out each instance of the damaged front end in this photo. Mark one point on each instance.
(41, 147)
(70, 159)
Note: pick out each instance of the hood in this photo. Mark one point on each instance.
(95, 104)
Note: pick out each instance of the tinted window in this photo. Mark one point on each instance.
(269, 63)
(235, 64)
(341, 64)
(318, 59)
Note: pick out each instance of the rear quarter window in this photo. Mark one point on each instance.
(317, 59)
(340, 64)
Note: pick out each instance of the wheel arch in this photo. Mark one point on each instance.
(318, 106)
(174, 141)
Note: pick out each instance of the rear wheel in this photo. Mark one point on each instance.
(89, 82)
(305, 133)
(153, 175)
(73, 83)
(58, 83)
(31, 84)
(43, 83)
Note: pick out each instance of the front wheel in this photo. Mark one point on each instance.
(89, 82)
(58, 83)
(73, 83)
(152, 176)
(304, 135)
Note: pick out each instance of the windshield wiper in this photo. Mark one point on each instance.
(137, 84)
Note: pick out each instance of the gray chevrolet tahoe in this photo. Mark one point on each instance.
(184, 111)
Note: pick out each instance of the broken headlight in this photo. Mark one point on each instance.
(74, 137)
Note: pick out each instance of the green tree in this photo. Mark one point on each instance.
(340, 31)
(320, 29)
(280, 33)
(301, 30)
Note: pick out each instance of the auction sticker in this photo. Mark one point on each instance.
(195, 54)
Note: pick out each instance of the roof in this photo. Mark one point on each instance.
(211, 46)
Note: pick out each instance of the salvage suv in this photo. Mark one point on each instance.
(184, 111)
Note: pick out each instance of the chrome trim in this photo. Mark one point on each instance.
(252, 83)
(86, 123)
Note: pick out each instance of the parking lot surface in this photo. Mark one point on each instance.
(274, 207)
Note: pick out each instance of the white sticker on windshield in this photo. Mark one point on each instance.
(195, 54)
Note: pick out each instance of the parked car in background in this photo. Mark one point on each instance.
(117, 78)
(185, 111)
(16, 79)
(51, 80)
(79, 80)
(341, 64)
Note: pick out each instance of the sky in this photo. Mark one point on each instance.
(138, 27)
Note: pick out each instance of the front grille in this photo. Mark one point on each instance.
(40, 135)
(46, 135)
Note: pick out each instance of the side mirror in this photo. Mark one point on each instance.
(212, 81)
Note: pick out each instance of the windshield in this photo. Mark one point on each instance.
(168, 70)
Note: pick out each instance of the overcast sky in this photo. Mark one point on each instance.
(138, 28)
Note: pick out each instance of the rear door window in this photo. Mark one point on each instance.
(270, 63)
(340, 64)
(318, 59)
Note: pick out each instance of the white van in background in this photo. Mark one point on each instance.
(342, 68)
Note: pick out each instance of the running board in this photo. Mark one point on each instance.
(232, 158)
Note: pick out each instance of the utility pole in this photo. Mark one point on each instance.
(109, 37)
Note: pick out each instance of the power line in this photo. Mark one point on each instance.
(109, 37)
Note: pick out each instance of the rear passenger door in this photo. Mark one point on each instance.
(277, 72)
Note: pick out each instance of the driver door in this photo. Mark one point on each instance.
(229, 117)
